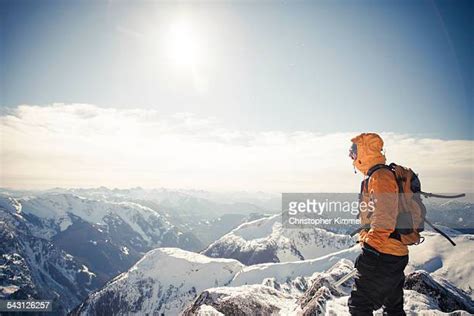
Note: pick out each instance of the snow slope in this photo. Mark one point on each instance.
(163, 281)
(290, 270)
(438, 257)
(267, 240)
(58, 208)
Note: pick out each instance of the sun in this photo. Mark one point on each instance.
(183, 44)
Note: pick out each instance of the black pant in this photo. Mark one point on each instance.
(379, 282)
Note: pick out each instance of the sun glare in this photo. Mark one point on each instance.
(182, 45)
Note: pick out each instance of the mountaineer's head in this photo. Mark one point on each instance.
(366, 151)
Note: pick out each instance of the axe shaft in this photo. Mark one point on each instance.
(345, 278)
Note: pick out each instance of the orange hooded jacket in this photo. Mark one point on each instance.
(382, 189)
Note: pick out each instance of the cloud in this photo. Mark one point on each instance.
(80, 145)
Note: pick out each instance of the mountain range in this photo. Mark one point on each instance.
(113, 252)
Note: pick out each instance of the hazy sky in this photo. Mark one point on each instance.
(267, 75)
(78, 145)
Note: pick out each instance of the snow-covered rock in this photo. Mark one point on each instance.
(322, 289)
(243, 300)
(423, 296)
(163, 281)
(267, 240)
(447, 297)
(438, 257)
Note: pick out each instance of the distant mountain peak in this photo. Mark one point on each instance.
(267, 240)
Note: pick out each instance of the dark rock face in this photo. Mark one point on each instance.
(34, 268)
(448, 297)
(97, 248)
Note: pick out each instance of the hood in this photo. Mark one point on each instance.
(369, 151)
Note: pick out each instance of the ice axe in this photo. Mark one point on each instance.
(345, 278)
(442, 196)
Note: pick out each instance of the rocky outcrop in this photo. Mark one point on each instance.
(245, 300)
(445, 295)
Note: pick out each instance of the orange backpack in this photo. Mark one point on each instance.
(411, 210)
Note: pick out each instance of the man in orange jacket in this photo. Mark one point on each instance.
(380, 277)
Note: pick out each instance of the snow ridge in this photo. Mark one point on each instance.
(267, 240)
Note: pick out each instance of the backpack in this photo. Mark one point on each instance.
(411, 217)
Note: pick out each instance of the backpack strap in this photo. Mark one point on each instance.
(372, 171)
(439, 231)
(377, 167)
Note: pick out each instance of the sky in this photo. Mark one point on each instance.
(234, 95)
